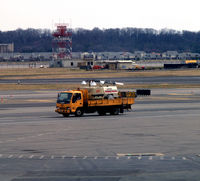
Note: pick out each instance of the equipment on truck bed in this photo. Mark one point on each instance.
(95, 96)
(101, 89)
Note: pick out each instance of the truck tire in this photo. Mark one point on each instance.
(101, 112)
(121, 110)
(79, 112)
(65, 115)
(115, 111)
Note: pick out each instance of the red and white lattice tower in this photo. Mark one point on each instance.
(62, 43)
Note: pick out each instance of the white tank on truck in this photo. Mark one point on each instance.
(101, 92)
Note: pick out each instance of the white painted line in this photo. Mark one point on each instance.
(10, 156)
(42, 157)
(161, 158)
(173, 158)
(21, 138)
(150, 158)
(11, 140)
(95, 157)
(139, 157)
(63, 157)
(52, 157)
(84, 157)
(21, 156)
(183, 158)
(31, 156)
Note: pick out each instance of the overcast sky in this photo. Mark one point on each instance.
(157, 14)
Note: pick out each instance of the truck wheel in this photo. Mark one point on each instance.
(79, 112)
(121, 110)
(65, 115)
(115, 111)
(101, 112)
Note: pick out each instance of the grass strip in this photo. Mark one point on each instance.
(54, 73)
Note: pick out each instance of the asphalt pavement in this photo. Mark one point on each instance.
(157, 140)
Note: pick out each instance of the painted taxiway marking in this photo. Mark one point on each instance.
(22, 138)
(140, 154)
(11, 140)
(31, 156)
(139, 158)
(150, 158)
(21, 156)
(176, 94)
(40, 100)
(10, 156)
(41, 157)
(184, 158)
(169, 98)
(162, 158)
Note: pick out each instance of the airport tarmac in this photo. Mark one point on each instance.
(157, 140)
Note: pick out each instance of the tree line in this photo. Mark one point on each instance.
(99, 40)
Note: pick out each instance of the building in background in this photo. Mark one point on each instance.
(7, 48)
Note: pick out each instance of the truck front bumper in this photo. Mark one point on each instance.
(62, 111)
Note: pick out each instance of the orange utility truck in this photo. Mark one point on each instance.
(94, 96)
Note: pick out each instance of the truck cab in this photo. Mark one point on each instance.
(70, 102)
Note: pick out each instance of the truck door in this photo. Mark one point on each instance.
(77, 101)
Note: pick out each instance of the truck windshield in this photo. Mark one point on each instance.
(64, 98)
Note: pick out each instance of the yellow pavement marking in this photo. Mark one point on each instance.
(168, 98)
(41, 100)
(44, 91)
(176, 94)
